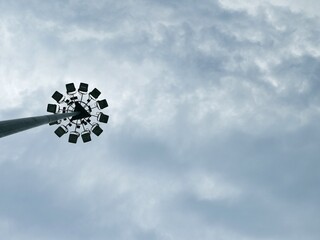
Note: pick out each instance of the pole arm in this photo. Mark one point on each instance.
(9, 127)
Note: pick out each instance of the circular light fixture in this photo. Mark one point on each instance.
(89, 115)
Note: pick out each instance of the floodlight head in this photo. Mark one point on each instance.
(80, 105)
(96, 129)
(102, 117)
(86, 136)
(83, 88)
(53, 108)
(58, 97)
(61, 131)
(95, 93)
(55, 122)
(102, 104)
(73, 137)
(70, 88)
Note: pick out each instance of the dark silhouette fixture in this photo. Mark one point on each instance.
(75, 112)
(88, 107)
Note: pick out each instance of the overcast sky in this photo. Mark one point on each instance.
(214, 128)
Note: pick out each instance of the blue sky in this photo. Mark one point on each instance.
(214, 120)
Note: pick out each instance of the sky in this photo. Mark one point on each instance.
(213, 132)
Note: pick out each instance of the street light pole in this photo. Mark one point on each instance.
(78, 112)
(9, 127)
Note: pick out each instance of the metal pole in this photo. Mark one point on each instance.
(9, 127)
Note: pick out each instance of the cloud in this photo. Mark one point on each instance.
(213, 120)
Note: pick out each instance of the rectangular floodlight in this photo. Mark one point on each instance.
(103, 118)
(96, 129)
(58, 97)
(83, 88)
(85, 135)
(70, 88)
(95, 93)
(61, 131)
(102, 104)
(73, 137)
(53, 108)
(55, 122)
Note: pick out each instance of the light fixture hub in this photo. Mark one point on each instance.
(82, 112)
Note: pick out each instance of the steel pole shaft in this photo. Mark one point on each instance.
(9, 127)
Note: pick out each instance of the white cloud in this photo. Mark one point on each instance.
(308, 7)
(210, 188)
(213, 125)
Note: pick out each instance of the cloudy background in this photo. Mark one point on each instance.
(214, 120)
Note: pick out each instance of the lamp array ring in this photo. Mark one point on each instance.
(88, 107)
